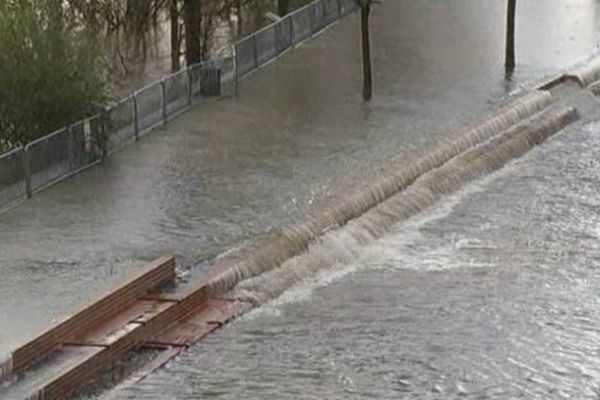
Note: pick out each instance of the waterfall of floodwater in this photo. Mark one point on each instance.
(340, 247)
(292, 240)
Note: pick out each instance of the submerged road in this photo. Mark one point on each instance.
(491, 294)
(298, 131)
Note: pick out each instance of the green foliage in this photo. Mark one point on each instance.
(51, 70)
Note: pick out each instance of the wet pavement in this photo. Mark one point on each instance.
(298, 131)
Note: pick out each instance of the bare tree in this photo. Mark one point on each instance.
(175, 35)
(510, 58)
(192, 16)
(365, 11)
(283, 7)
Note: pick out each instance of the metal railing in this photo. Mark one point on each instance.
(263, 46)
(47, 160)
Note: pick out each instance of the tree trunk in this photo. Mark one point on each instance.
(175, 35)
(239, 17)
(283, 7)
(206, 36)
(366, 50)
(510, 36)
(192, 18)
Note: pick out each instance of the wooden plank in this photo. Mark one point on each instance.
(157, 273)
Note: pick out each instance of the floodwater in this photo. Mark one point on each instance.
(491, 294)
(297, 132)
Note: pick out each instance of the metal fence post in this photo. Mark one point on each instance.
(255, 49)
(104, 126)
(189, 77)
(72, 145)
(136, 114)
(339, 4)
(163, 100)
(27, 172)
(277, 30)
(291, 28)
(323, 21)
(235, 70)
(313, 8)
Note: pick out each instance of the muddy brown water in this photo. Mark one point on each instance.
(298, 131)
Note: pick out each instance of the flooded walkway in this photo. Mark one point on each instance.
(491, 294)
(298, 131)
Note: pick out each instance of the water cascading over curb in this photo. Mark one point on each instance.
(137, 315)
(292, 240)
(342, 246)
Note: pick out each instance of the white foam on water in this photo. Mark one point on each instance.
(396, 250)
(345, 247)
(403, 247)
(419, 182)
(304, 290)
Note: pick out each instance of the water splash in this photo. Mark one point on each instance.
(344, 245)
(288, 241)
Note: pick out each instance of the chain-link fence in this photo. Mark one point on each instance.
(48, 158)
(69, 150)
(12, 176)
(176, 93)
(63, 153)
(149, 105)
(121, 123)
(268, 43)
(331, 11)
(213, 78)
(347, 7)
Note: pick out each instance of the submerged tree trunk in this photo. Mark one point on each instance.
(283, 7)
(510, 37)
(207, 32)
(239, 17)
(191, 19)
(175, 35)
(366, 51)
